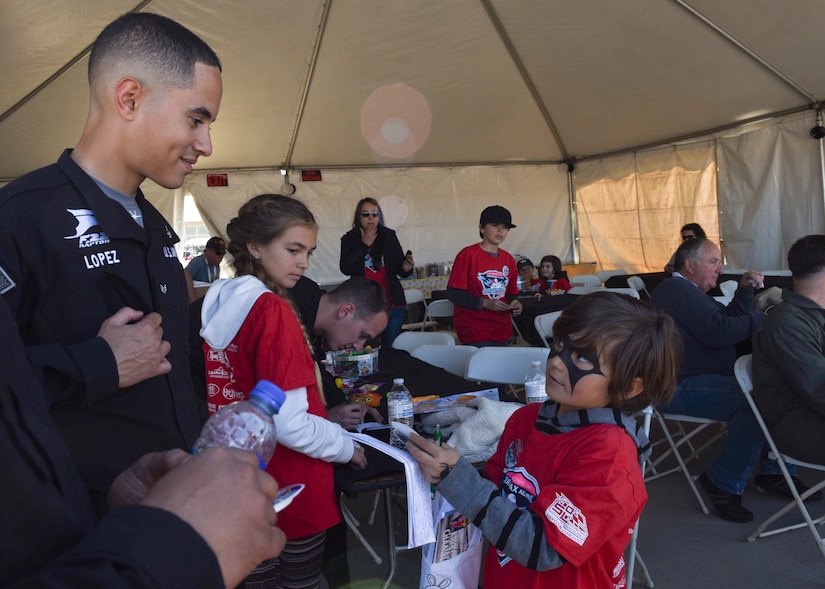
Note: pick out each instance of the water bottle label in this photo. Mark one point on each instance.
(535, 392)
(399, 410)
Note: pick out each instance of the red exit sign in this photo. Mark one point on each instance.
(217, 179)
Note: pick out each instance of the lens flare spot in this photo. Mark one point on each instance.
(395, 121)
(395, 131)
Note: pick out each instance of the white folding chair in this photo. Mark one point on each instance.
(632, 552)
(440, 309)
(451, 358)
(410, 340)
(637, 284)
(544, 325)
(628, 291)
(414, 296)
(728, 288)
(683, 438)
(585, 280)
(777, 273)
(605, 274)
(580, 289)
(743, 371)
(504, 365)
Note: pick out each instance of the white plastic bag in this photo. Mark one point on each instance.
(453, 561)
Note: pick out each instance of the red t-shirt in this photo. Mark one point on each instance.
(270, 345)
(491, 277)
(377, 271)
(586, 485)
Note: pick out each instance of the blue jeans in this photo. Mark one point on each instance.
(718, 397)
(393, 328)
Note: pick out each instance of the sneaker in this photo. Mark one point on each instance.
(776, 483)
(728, 505)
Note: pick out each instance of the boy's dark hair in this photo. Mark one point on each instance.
(165, 49)
(634, 339)
(367, 295)
(807, 256)
(696, 228)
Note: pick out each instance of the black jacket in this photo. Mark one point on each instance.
(353, 251)
(48, 533)
(306, 296)
(71, 257)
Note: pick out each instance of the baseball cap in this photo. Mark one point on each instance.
(496, 214)
(523, 263)
(217, 245)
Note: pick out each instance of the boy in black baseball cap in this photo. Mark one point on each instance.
(483, 284)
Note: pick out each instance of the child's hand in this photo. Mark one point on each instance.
(499, 305)
(359, 458)
(434, 461)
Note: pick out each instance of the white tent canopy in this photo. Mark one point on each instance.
(445, 106)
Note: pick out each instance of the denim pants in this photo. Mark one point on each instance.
(393, 328)
(718, 397)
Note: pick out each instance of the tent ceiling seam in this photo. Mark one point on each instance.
(51, 79)
(299, 116)
(748, 51)
(525, 75)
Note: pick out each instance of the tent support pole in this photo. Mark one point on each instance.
(822, 166)
(574, 218)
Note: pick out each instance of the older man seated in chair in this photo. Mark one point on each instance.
(707, 387)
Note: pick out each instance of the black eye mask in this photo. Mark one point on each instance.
(574, 372)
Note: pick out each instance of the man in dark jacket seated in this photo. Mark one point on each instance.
(789, 357)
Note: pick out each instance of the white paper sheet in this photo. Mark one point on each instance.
(419, 502)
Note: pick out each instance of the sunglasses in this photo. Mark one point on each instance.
(686, 237)
(370, 213)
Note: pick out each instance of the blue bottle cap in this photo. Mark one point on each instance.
(271, 394)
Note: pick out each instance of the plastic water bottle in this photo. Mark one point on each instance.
(534, 384)
(399, 408)
(248, 424)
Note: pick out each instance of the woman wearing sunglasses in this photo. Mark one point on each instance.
(371, 249)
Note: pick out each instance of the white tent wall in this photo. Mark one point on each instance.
(630, 207)
(435, 211)
(770, 192)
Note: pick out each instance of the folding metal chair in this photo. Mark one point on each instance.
(628, 291)
(414, 296)
(504, 365)
(632, 552)
(544, 326)
(637, 284)
(683, 438)
(451, 358)
(440, 309)
(728, 288)
(743, 370)
(580, 289)
(585, 280)
(605, 274)
(410, 340)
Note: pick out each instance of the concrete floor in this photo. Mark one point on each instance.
(682, 548)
